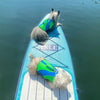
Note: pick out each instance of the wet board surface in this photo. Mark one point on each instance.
(57, 53)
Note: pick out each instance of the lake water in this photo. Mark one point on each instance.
(81, 25)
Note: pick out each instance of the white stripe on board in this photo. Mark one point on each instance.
(40, 88)
(47, 92)
(36, 88)
(33, 84)
(70, 92)
(25, 88)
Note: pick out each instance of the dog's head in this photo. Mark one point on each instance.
(33, 64)
(54, 15)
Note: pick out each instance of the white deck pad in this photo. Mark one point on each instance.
(36, 88)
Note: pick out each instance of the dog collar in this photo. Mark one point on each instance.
(46, 25)
(47, 70)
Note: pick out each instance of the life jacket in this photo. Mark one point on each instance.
(46, 25)
(47, 70)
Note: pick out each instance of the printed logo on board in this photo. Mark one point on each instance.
(49, 47)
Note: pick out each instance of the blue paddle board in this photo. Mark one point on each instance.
(56, 52)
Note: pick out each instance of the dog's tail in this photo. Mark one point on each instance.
(31, 56)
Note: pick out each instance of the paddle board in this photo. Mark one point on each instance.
(56, 52)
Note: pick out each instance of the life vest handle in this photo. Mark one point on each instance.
(50, 68)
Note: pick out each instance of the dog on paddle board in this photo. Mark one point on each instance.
(56, 77)
(40, 32)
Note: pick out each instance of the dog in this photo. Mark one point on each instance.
(59, 78)
(40, 33)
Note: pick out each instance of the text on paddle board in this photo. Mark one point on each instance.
(49, 47)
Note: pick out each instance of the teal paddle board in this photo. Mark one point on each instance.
(56, 52)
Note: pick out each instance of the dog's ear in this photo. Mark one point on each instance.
(58, 12)
(31, 56)
(52, 9)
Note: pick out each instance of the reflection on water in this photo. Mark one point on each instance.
(81, 25)
(97, 2)
(93, 1)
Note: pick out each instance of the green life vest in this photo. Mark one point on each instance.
(47, 70)
(46, 25)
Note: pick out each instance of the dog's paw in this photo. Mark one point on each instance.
(59, 24)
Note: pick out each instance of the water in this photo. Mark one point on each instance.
(81, 25)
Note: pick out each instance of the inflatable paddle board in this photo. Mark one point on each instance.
(56, 52)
